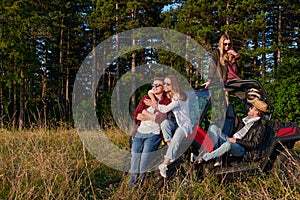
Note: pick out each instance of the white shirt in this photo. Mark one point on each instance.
(148, 126)
(248, 121)
(181, 111)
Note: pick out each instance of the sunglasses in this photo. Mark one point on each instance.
(167, 84)
(227, 44)
(156, 85)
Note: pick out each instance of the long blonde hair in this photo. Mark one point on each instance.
(176, 87)
(224, 56)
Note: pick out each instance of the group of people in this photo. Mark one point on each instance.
(153, 112)
(165, 110)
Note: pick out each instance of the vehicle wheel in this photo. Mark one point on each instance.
(287, 167)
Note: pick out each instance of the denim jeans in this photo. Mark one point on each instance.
(167, 127)
(214, 132)
(142, 146)
(230, 147)
(175, 143)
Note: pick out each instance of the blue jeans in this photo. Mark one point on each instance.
(167, 127)
(142, 146)
(230, 147)
(175, 144)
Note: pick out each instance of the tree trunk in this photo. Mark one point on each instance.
(279, 39)
(21, 103)
(61, 67)
(44, 86)
(1, 107)
(227, 17)
(15, 111)
(67, 109)
(188, 68)
(118, 67)
(255, 60)
(263, 65)
(93, 89)
(133, 70)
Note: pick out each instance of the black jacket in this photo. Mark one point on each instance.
(253, 140)
(217, 72)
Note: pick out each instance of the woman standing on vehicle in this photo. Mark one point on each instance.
(180, 107)
(224, 64)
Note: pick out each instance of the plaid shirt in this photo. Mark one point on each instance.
(164, 100)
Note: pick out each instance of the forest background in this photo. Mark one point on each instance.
(43, 44)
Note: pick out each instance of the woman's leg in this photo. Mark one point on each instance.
(174, 145)
(172, 151)
(167, 128)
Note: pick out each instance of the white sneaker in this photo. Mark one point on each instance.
(163, 170)
(217, 164)
(192, 157)
(197, 159)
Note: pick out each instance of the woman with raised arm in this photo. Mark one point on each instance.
(180, 107)
(224, 64)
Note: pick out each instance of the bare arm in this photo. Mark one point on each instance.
(142, 117)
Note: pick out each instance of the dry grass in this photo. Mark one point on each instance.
(54, 165)
(50, 165)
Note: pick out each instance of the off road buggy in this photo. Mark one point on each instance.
(277, 152)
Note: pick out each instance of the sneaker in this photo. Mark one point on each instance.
(217, 164)
(192, 157)
(163, 170)
(198, 159)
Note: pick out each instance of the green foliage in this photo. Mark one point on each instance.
(42, 45)
(285, 95)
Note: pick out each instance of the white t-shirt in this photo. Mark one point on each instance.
(148, 126)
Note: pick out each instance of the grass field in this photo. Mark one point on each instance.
(54, 165)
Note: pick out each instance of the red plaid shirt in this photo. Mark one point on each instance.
(164, 100)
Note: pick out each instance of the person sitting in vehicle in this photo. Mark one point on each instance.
(248, 138)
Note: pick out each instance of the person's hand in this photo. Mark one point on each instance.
(148, 102)
(206, 84)
(159, 117)
(233, 140)
(231, 51)
(151, 103)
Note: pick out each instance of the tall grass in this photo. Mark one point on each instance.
(54, 165)
(50, 165)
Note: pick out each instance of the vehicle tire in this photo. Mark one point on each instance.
(287, 167)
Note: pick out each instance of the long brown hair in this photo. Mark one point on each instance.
(224, 56)
(176, 87)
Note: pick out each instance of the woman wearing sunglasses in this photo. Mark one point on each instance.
(224, 64)
(180, 108)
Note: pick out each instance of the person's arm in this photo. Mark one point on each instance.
(139, 109)
(169, 107)
(235, 54)
(206, 84)
(146, 115)
(152, 102)
(255, 140)
(151, 95)
(214, 61)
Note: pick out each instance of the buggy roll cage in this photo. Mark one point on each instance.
(237, 87)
